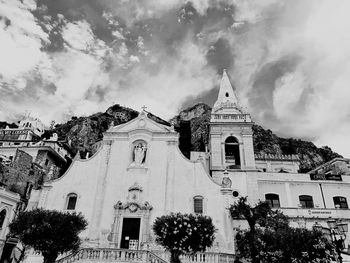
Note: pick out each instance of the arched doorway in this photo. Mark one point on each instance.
(232, 156)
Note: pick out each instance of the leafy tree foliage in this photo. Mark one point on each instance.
(49, 232)
(271, 239)
(184, 233)
(253, 215)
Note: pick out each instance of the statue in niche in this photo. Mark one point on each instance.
(139, 154)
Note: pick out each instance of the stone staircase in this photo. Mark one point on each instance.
(101, 255)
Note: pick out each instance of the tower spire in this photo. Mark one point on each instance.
(230, 132)
(227, 95)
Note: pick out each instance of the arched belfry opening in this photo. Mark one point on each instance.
(232, 156)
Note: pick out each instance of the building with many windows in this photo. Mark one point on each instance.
(49, 154)
(138, 173)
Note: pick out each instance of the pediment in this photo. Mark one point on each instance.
(141, 122)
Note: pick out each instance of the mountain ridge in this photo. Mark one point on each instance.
(192, 124)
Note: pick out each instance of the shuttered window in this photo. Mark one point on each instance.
(198, 204)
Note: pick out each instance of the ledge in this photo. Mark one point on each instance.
(138, 168)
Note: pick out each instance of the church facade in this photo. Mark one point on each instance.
(138, 173)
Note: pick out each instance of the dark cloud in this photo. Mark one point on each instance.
(75, 10)
(260, 97)
(208, 97)
(6, 20)
(96, 94)
(220, 55)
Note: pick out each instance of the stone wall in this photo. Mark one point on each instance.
(21, 172)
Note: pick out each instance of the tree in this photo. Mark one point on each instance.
(184, 233)
(288, 245)
(253, 215)
(48, 231)
(273, 240)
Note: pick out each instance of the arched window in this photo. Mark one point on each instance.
(273, 200)
(306, 201)
(232, 152)
(340, 201)
(71, 201)
(198, 204)
(2, 218)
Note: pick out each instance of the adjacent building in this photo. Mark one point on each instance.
(50, 154)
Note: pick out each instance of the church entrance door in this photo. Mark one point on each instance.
(130, 233)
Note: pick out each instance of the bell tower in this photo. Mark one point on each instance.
(230, 133)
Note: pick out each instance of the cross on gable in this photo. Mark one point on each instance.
(143, 108)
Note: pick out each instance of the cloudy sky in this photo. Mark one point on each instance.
(288, 60)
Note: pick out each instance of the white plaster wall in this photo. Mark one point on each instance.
(169, 182)
(274, 188)
(301, 184)
(335, 189)
(81, 178)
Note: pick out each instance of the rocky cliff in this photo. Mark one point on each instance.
(83, 132)
(265, 141)
(192, 124)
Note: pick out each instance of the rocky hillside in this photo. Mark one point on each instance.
(83, 132)
(3, 125)
(310, 156)
(265, 141)
(192, 124)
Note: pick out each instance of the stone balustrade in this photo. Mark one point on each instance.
(127, 255)
(241, 117)
(280, 157)
(111, 254)
(200, 257)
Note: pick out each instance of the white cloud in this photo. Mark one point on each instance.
(163, 91)
(321, 78)
(73, 71)
(21, 40)
(78, 35)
